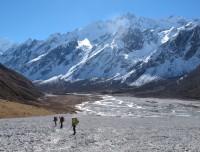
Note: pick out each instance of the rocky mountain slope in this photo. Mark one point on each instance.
(15, 87)
(187, 86)
(126, 51)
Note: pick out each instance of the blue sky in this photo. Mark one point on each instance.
(37, 19)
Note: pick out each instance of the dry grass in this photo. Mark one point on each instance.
(10, 109)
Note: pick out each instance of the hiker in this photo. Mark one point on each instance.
(55, 119)
(74, 123)
(61, 121)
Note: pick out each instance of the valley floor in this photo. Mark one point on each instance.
(109, 124)
(101, 133)
(47, 105)
(65, 103)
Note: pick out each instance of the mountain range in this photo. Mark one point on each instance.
(128, 51)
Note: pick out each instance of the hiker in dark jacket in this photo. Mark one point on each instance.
(55, 120)
(61, 121)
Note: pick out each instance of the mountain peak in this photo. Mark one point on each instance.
(128, 15)
(5, 44)
(57, 34)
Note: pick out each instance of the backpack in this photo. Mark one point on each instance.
(55, 119)
(62, 119)
(75, 121)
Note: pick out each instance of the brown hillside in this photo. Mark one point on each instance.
(188, 86)
(15, 87)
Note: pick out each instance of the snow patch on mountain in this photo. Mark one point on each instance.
(84, 44)
(145, 78)
(37, 58)
(167, 34)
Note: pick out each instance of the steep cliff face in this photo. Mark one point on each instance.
(128, 50)
(16, 87)
(175, 58)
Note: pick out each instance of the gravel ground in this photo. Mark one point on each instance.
(101, 134)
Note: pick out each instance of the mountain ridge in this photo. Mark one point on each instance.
(128, 50)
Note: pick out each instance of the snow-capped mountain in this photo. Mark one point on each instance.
(131, 50)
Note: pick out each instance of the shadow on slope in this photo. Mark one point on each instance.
(15, 87)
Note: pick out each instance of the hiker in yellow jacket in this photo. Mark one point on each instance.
(74, 123)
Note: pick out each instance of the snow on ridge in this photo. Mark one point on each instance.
(167, 34)
(52, 80)
(84, 44)
(145, 78)
(68, 75)
(37, 58)
(127, 75)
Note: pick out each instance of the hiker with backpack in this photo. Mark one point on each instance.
(75, 121)
(61, 121)
(55, 120)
